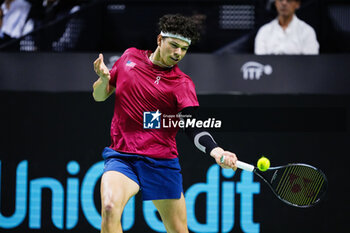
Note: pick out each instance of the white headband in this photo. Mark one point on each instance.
(177, 36)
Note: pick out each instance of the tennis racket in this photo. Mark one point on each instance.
(299, 185)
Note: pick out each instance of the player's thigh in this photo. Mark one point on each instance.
(173, 213)
(116, 190)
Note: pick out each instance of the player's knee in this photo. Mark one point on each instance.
(110, 209)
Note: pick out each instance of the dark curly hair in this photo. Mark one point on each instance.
(182, 25)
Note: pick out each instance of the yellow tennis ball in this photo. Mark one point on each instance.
(263, 164)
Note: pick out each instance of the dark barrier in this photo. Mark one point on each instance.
(248, 74)
(50, 164)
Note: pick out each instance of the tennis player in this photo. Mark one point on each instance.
(147, 159)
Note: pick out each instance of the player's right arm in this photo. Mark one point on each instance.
(203, 140)
(102, 88)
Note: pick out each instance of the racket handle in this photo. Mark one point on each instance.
(245, 166)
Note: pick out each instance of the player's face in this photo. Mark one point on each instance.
(286, 8)
(172, 50)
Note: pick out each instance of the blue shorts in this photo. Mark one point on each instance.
(157, 178)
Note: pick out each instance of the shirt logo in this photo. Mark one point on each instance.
(254, 70)
(151, 120)
(130, 64)
(157, 80)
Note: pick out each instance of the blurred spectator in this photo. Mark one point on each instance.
(28, 42)
(15, 13)
(1, 16)
(286, 34)
(64, 38)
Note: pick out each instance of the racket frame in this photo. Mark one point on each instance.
(256, 171)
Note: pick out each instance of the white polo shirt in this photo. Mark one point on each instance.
(14, 18)
(297, 38)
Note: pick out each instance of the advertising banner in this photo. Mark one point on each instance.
(212, 74)
(51, 164)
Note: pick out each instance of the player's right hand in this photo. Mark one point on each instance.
(101, 69)
(224, 159)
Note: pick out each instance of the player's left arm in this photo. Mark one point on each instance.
(101, 88)
(205, 142)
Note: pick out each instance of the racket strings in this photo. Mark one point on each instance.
(300, 185)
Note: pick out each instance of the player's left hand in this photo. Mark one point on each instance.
(101, 69)
(225, 159)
